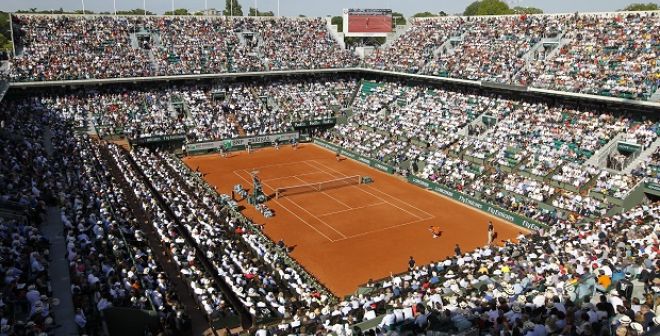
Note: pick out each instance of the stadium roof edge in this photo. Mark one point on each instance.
(316, 17)
(563, 94)
(191, 16)
(471, 17)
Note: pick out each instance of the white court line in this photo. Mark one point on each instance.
(362, 207)
(319, 219)
(291, 212)
(383, 229)
(296, 204)
(382, 192)
(324, 193)
(283, 177)
(275, 165)
(380, 198)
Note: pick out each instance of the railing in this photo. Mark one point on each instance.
(603, 153)
(246, 317)
(247, 222)
(629, 159)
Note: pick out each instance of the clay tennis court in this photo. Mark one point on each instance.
(370, 23)
(349, 234)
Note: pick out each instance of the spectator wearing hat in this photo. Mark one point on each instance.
(625, 287)
(655, 326)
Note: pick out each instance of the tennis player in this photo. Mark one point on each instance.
(337, 156)
(435, 230)
(491, 233)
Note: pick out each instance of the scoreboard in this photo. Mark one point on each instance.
(367, 22)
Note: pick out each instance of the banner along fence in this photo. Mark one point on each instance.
(240, 143)
(653, 188)
(453, 194)
(352, 155)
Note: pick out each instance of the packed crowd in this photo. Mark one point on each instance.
(254, 269)
(26, 187)
(604, 54)
(190, 45)
(309, 99)
(576, 279)
(97, 47)
(109, 200)
(203, 112)
(493, 48)
(112, 264)
(425, 132)
(411, 51)
(67, 47)
(109, 262)
(505, 49)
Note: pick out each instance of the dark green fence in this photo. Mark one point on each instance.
(352, 155)
(453, 194)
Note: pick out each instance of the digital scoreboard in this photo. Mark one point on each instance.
(367, 22)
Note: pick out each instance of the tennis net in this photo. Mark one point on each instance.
(318, 186)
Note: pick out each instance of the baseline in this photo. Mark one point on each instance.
(374, 189)
(291, 212)
(305, 210)
(380, 198)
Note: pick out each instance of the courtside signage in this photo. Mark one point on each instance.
(238, 143)
(475, 203)
(456, 195)
(352, 155)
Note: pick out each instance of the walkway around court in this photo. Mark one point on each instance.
(58, 267)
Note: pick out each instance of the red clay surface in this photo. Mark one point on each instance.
(348, 235)
(369, 24)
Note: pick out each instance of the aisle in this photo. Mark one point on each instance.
(58, 267)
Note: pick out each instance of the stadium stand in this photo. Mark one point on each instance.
(545, 51)
(145, 238)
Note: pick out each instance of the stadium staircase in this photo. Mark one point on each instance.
(199, 323)
(643, 156)
(478, 121)
(152, 59)
(156, 43)
(91, 130)
(599, 158)
(529, 56)
(655, 97)
(134, 41)
(334, 32)
(241, 38)
(4, 87)
(398, 31)
(58, 267)
(273, 104)
(562, 42)
(356, 91)
(448, 47)
(232, 119)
